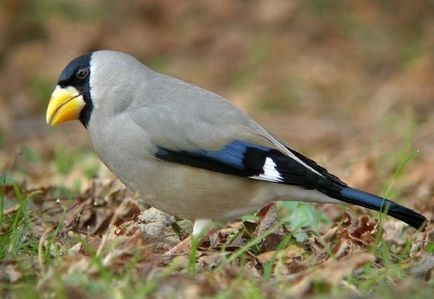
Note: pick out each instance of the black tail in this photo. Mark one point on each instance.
(293, 173)
(370, 201)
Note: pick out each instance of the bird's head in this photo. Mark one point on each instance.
(71, 98)
(89, 82)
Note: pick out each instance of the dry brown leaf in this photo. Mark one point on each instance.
(209, 259)
(342, 247)
(427, 237)
(271, 242)
(12, 273)
(268, 218)
(361, 232)
(365, 230)
(285, 262)
(292, 251)
(127, 211)
(331, 272)
(222, 237)
(425, 267)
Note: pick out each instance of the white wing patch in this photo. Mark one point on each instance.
(270, 172)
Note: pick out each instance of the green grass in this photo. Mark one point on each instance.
(38, 248)
(45, 264)
(16, 239)
(374, 53)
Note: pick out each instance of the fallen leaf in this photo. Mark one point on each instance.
(424, 267)
(12, 273)
(331, 272)
(292, 251)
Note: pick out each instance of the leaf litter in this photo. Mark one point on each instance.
(108, 223)
(96, 229)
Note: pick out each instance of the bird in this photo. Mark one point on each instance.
(188, 151)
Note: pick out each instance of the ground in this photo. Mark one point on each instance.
(350, 84)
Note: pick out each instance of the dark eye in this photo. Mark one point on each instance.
(82, 73)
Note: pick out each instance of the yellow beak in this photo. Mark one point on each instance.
(65, 104)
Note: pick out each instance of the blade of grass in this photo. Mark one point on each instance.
(253, 242)
(269, 265)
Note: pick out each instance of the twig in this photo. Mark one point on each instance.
(11, 210)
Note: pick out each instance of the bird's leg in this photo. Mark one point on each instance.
(200, 230)
(201, 227)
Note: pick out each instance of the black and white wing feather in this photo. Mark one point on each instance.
(248, 160)
(241, 158)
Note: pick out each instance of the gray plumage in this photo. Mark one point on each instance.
(159, 109)
(188, 151)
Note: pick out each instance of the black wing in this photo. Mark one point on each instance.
(248, 160)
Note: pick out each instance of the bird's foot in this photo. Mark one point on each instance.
(201, 230)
